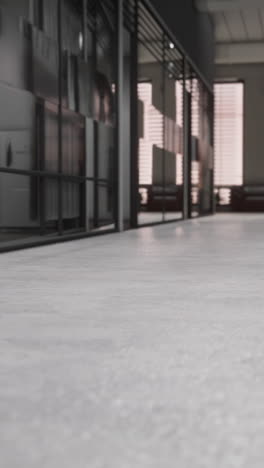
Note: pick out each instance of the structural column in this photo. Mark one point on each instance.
(120, 101)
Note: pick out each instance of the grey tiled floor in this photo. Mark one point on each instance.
(140, 350)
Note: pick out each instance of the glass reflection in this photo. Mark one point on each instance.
(28, 208)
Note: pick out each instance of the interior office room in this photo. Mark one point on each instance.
(131, 233)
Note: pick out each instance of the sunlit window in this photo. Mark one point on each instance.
(228, 133)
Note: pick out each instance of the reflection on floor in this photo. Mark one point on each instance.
(157, 217)
(13, 238)
(10, 236)
(10, 239)
(107, 227)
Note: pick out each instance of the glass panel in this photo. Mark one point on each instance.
(151, 143)
(85, 87)
(201, 150)
(173, 153)
(195, 154)
(160, 129)
(90, 138)
(206, 154)
(17, 129)
(126, 116)
(28, 208)
(90, 206)
(73, 199)
(100, 127)
(50, 135)
(15, 50)
(19, 203)
(50, 206)
(100, 209)
(17, 7)
(75, 71)
(104, 111)
(105, 152)
(28, 132)
(45, 66)
(105, 77)
(73, 144)
(49, 17)
(72, 27)
(29, 126)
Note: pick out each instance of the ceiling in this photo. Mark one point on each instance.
(239, 29)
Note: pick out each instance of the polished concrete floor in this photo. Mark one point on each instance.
(140, 350)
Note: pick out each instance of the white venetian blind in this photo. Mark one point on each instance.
(153, 133)
(154, 125)
(228, 133)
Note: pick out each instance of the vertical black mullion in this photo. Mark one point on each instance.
(115, 177)
(187, 117)
(84, 19)
(84, 166)
(60, 85)
(163, 90)
(200, 135)
(38, 20)
(40, 148)
(190, 106)
(96, 188)
(119, 105)
(190, 129)
(96, 192)
(184, 132)
(190, 155)
(189, 152)
(38, 14)
(211, 119)
(134, 157)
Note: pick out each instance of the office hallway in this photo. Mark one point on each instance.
(140, 350)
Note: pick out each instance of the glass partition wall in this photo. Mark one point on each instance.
(29, 119)
(58, 130)
(61, 93)
(160, 111)
(175, 137)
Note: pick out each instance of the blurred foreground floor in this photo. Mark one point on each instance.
(140, 350)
